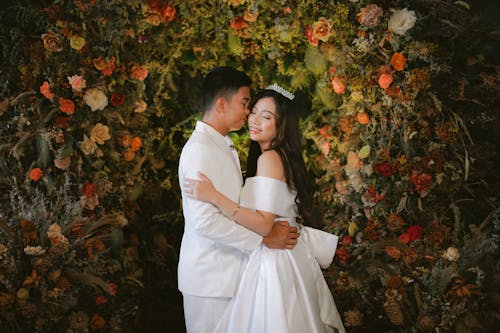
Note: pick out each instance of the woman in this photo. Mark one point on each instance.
(280, 290)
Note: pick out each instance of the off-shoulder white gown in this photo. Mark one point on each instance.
(283, 291)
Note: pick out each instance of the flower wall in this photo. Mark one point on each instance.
(98, 98)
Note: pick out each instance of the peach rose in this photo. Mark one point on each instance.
(100, 133)
(398, 61)
(87, 146)
(326, 148)
(51, 42)
(138, 72)
(45, 90)
(66, 106)
(140, 106)
(322, 29)
(338, 86)
(63, 163)
(77, 82)
(385, 80)
(353, 161)
(35, 174)
(363, 118)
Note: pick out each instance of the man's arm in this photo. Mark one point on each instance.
(282, 236)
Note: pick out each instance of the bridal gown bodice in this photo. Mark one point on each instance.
(283, 291)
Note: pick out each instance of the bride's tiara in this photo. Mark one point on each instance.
(281, 90)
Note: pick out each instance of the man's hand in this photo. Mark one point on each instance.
(282, 236)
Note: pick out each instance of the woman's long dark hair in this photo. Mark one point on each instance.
(288, 145)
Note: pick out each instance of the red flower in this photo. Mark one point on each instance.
(404, 238)
(168, 13)
(343, 255)
(63, 122)
(112, 288)
(88, 189)
(414, 232)
(347, 240)
(422, 181)
(36, 174)
(117, 99)
(100, 300)
(385, 169)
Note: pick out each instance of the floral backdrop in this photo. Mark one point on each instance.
(98, 97)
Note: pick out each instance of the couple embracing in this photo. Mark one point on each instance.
(245, 263)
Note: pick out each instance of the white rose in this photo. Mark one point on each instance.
(451, 254)
(402, 21)
(96, 99)
(34, 250)
(87, 146)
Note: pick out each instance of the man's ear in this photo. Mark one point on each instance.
(220, 105)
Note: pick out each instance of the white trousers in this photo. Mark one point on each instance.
(202, 314)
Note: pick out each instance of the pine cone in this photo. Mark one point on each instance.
(394, 312)
(426, 323)
(27, 309)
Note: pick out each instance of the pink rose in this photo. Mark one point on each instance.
(338, 86)
(77, 82)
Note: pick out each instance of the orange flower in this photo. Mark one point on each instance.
(346, 124)
(125, 140)
(393, 252)
(338, 85)
(97, 322)
(45, 90)
(363, 118)
(168, 13)
(323, 131)
(238, 23)
(395, 222)
(66, 105)
(135, 143)
(106, 67)
(385, 80)
(128, 155)
(138, 72)
(398, 61)
(410, 255)
(36, 174)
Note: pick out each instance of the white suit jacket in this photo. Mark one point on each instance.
(213, 246)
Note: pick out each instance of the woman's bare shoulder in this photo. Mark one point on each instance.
(270, 165)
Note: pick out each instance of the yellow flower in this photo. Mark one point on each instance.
(77, 42)
(22, 294)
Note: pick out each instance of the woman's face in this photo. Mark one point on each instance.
(262, 122)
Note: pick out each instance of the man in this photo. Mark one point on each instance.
(213, 246)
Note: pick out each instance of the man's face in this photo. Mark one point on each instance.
(237, 109)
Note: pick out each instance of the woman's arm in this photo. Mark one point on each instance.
(258, 221)
(268, 165)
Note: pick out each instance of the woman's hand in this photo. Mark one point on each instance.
(202, 190)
